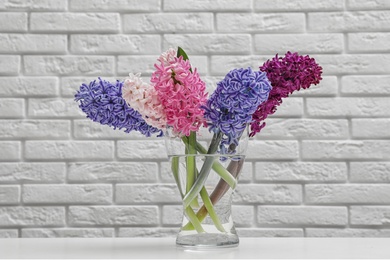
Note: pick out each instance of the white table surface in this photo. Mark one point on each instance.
(163, 248)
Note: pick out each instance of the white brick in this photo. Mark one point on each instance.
(32, 43)
(268, 194)
(348, 149)
(34, 5)
(366, 85)
(9, 194)
(54, 108)
(221, 65)
(113, 215)
(9, 233)
(211, 83)
(370, 215)
(210, 5)
(29, 86)
(348, 232)
(9, 64)
(348, 194)
(136, 64)
(166, 173)
(11, 107)
(298, 5)
(88, 129)
(270, 232)
(142, 149)
(145, 64)
(168, 22)
(69, 150)
(328, 86)
(246, 174)
(302, 215)
(368, 42)
(349, 106)
(13, 22)
(302, 43)
(32, 216)
(243, 216)
(35, 129)
(366, 5)
(370, 172)
(32, 172)
(115, 5)
(9, 150)
(68, 232)
(291, 107)
(172, 215)
(147, 193)
(354, 63)
(371, 128)
(113, 172)
(258, 22)
(305, 128)
(74, 22)
(70, 85)
(265, 150)
(67, 194)
(69, 65)
(115, 44)
(349, 21)
(148, 232)
(301, 171)
(210, 44)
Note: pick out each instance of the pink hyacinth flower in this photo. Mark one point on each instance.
(182, 94)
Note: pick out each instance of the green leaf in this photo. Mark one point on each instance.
(182, 53)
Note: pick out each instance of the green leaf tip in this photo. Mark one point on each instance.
(181, 52)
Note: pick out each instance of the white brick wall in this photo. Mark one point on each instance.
(320, 168)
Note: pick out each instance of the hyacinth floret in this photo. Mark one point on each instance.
(142, 97)
(229, 109)
(287, 74)
(181, 92)
(102, 102)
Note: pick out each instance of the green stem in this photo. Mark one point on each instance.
(210, 208)
(204, 172)
(191, 166)
(194, 220)
(217, 167)
(222, 187)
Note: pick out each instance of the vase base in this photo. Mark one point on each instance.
(206, 241)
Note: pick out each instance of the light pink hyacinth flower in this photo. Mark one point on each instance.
(143, 97)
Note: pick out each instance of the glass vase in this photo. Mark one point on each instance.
(206, 178)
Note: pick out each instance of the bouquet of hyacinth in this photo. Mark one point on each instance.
(176, 100)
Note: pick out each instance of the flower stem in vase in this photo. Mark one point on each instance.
(205, 170)
(191, 165)
(221, 188)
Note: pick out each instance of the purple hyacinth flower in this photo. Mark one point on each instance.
(229, 109)
(102, 102)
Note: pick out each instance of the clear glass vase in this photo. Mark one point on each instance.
(206, 179)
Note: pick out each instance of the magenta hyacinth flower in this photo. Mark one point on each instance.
(287, 74)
